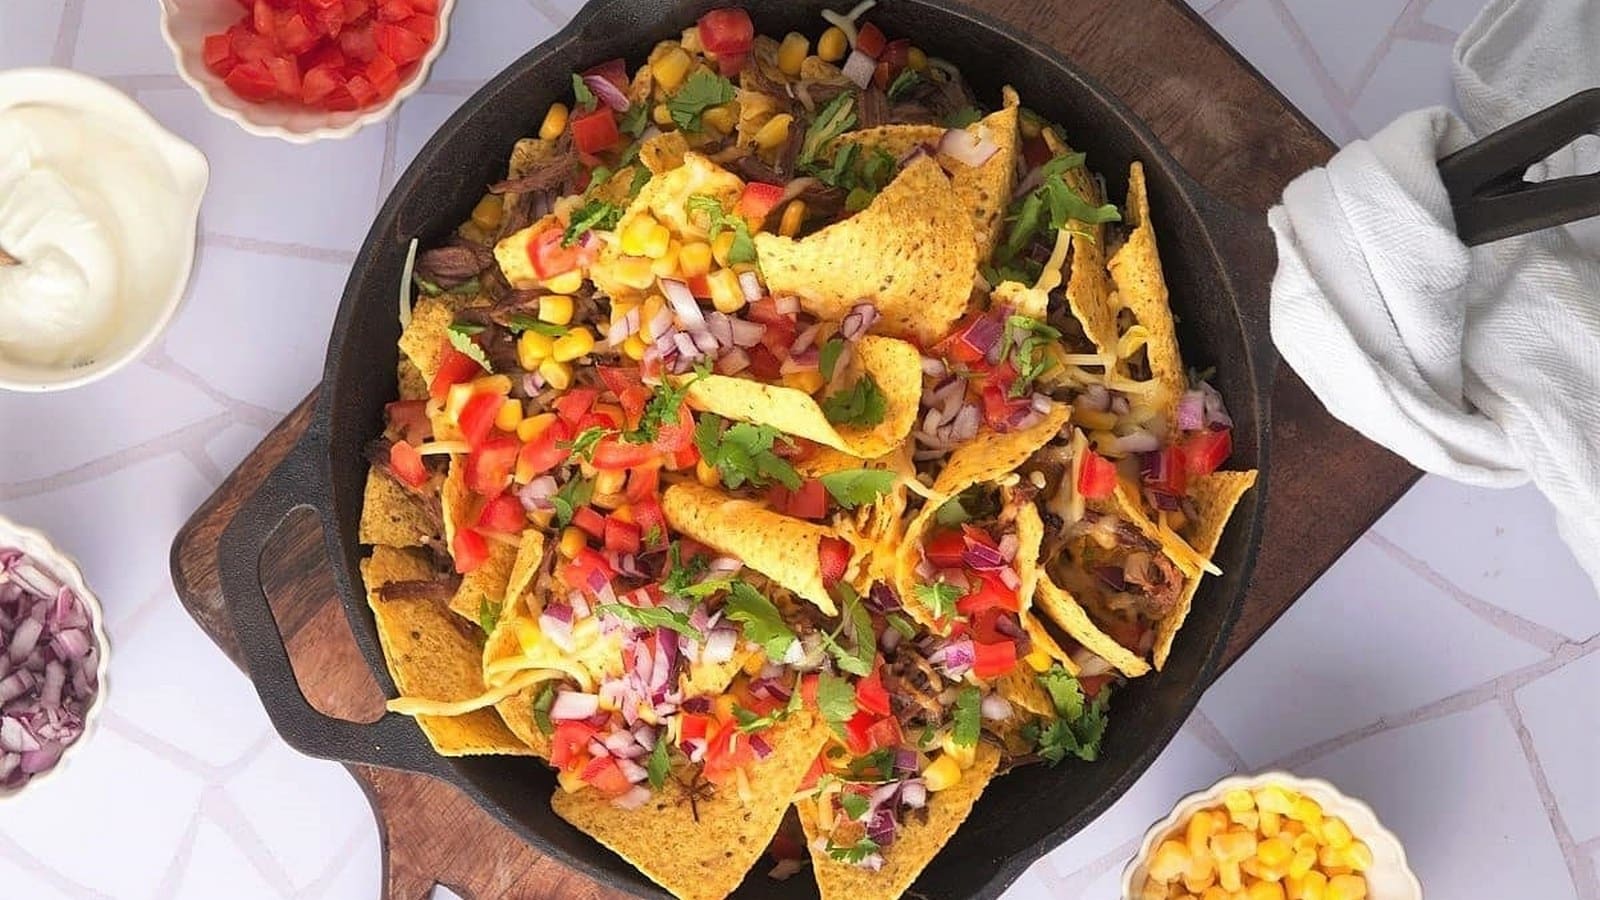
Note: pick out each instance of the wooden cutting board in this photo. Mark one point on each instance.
(1232, 131)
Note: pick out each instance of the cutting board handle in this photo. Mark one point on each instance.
(393, 741)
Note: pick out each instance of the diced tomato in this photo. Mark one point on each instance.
(618, 380)
(295, 34)
(570, 743)
(469, 550)
(218, 54)
(652, 523)
(252, 82)
(727, 32)
(1035, 152)
(359, 43)
(393, 11)
(727, 751)
(945, 549)
(896, 53)
(399, 43)
(679, 436)
(759, 199)
(884, 734)
(409, 419)
(612, 452)
(683, 459)
(504, 513)
(856, 730)
(606, 776)
(588, 563)
(993, 660)
(643, 484)
(477, 417)
(490, 465)
(987, 592)
(341, 100)
(729, 66)
(985, 628)
(764, 364)
(249, 46)
(574, 403)
(550, 259)
(430, 7)
(454, 368)
(968, 342)
(425, 27)
(406, 463)
(355, 9)
(327, 17)
(327, 54)
(318, 84)
(810, 501)
(700, 287)
(591, 521)
(1097, 479)
(972, 534)
(264, 19)
(595, 131)
(813, 775)
(766, 312)
(871, 695)
(1205, 451)
(834, 556)
(870, 40)
(384, 76)
(633, 401)
(1130, 634)
(1166, 472)
(622, 537)
(808, 690)
(692, 726)
(362, 90)
(1093, 684)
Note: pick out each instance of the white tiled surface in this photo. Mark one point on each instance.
(1445, 669)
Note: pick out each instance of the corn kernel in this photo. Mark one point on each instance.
(1238, 801)
(807, 380)
(1250, 818)
(1313, 886)
(1202, 825)
(1306, 810)
(942, 773)
(572, 540)
(726, 294)
(1153, 890)
(1038, 660)
(1215, 892)
(1201, 875)
(565, 283)
(576, 343)
(489, 212)
(635, 235)
(694, 259)
(648, 310)
(1273, 799)
(609, 481)
(963, 756)
(556, 309)
(1170, 861)
(1347, 887)
(492, 384)
(1265, 890)
(509, 416)
(792, 52)
(719, 118)
(1271, 822)
(793, 216)
(707, 474)
(1335, 832)
(721, 247)
(1235, 845)
(1228, 875)
(533, 348)
(666, 265)
(670, 69)
(572, 782)
(917, 59)
(556, 374)
(754, 663)
(634, 272)
(833, 45)
(660, 115)
(1302, 863)
(1334, 871)
(633, 348)
(533, 426)
(555, 122)
(657, 242)
(1274, 852)
(1358, 856)
(772, 135)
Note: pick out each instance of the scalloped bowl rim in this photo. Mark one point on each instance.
(1389, 855)
(36, 545)
(211, 89)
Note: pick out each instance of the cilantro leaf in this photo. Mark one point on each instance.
(635, 120)
(858, 199)
(1026, 218)
(596, 215)
(582, 446)
(683, 579)
(762, 622)
(1066, 204)
(906, 80)
(875, 766)
(854, 805)
(901, 624)
(834, 119)
(660, 762)
(653, 617)
(856, 660)
(828, 356)
(837, 172)
(749, 721)
(1027, 342)
(962, 117)
(939, 598)
(743, 453)
(836, 699)
(488, 615)
(520, 322)
(1066, 695)
(862, 404)
(582, 97)
(743, 248)
(699, 93)
(641, 177)
(966, 716)
(573, 495)
(663, 408)
(1079, 726)
(542, 701)
(465, 344)
(853, 487)
(854, 854)
(467, 328)
(951, 512)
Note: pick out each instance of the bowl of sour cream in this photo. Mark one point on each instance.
(98, 209)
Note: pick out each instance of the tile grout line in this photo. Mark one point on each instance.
(170, 443)
(278, 248)
(345, 858)
(1338, 101)
(1500, 618)
(1577, 867)
(243, 411)
(1380, 52)
(172, 879)
(391, 140)
(24, 860)
(1200, 726)
(216, 805)
(555, 17)
(67, 37)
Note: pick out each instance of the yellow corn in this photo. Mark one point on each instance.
(1274, 852)
(721, 118)
(1274, 799)
(666, 265)
(1307, 841)
(670, 69)
(962, 756)
(1306, 810)
(533, 348)
(1228, 875)
(754, 663)
(1358, 856)
(1235, 845)
(637, 234)
(1237, 801)
(572, 782)
(489, 212)
(1265, 890)
(721, 247)
(1215, 892)
(1098, 420)
(792, 52)
(1153, 890)
(633, 348)
(1250, 818)
(694, 259)
(722, 707)
(572, 540)
(1302, 863)
(1335, 832)
(1347, 887)
(556, 374)
(509, 416)
(707, 474)
(1170, 861)
(942, 773)
(555, 122)
(917, 60)
(660, 115)
(772, 135)
(577, 342)
(1202, 873)
(726, 294)
(1038, 660)
(1313, 886)
(609, 481)
(793, 215)
(1271, 822)
(807, 380)
(634, 272)
(492, 384)
(647, 314)
(555, 309)
(1202, 825)
(565, 283)
(657, 242)
(533, 426)
(833, 45)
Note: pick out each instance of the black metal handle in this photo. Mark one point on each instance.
(393, 741)
(1487, 191)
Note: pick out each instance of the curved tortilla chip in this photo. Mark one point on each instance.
(1088, 283)
(1141, 288)
(701, 849)
(530, 554)
(1029, 529)
(1214, 497)
(911, 252)
(1030, 534)
(517, 712)
(392, 515)
(893, 364)
(1042, 640)
(784, 549)
(916, 843)
(1064, 610)
(991, 454)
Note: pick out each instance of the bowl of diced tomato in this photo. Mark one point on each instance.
(305, 70)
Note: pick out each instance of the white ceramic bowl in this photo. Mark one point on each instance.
(1390, 877)
(64, 568)
(185, 24)
(139, 323)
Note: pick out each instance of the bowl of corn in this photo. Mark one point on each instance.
(1273, 836)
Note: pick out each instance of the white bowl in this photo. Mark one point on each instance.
(1390, 877)
(140, 323)
(185, 24)
(64, 568)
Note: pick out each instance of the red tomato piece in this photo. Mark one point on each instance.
(729, 66)
(477, 417)
(218, 54)
(813, 775)
(871, 695)
(570, 743)
(575, 403)
(425, 27)
(252, 82)
(808, 690)
(549, 258)
(622, 537)
(727, 32)
(384, 76)
(587, 566)
(295, 34)
(504, 514)
(856, 730)
(327, 54)
(489, 465)
(1166, 472)
(327, 16)
(316, 87)
(1097, 479)
(362, 90)
(678, 437)
(454, 368)
(358, 42)
(764, 365)
(809, 502)
(615, 453)
(884, 734)
(285, 74)
(1035, 152)
(834, 555)
(355, 9)
(394, 11)
(469, 550)
(692, 726)
(652, 523)
(896, 53)
(591, 521)
(399, 43)
(994, 660)
(987, 592)
(544, 452)
(727, 752)
(870, 40)
(643, 485)
(618, 380)
(595, 131)
(429, 7)
(406, 464)
(1093, 684)
(606, 776)
(264, 19)
(759, 199)
(612, 70)
(1205, 451)
(945, 549)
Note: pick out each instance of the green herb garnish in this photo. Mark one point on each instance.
(855, 853)
(836, 700)
(939, 598)
(962, 117)
(903, 82)
(573, 495)
(854, 805)
(635, 120)
(488, 615)
(861, 405)
(520, 322)
(596, 215)
(857, 660)
(743, 453)
(582, 97)
(465, 344)
(966, 716)
(834, 119)
(542, 701)
(951, 512)
(660, 762)
(582, 446)
(851, 488)
(743, 248)
(653, 617)
(1027, 342)
(699, 93)
(762, 622)
(1079, 725)
(828, 356)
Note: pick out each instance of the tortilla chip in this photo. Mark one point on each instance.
(1130, 507)
(711, 678)
(663, 152)
(1021, 688)
(991, 454)
(430, 654)
(1030, 534)
(484, 588)
(915, 844)
(529, 154)
(894, 365)
(517, 712)
(1088, 283)
(1042, 640)
(910, 252)
(423, 339)
(1214, 497)
(702, 850)
(454, 498)
(666, 196)
(392, 515)
(530, 554)
(1136, 269)
(1064, 610)
(412, 385)
(782, 548)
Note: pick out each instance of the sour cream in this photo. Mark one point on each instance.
(88, 217)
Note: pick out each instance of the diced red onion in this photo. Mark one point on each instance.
(995, 708)
(617, 742)
(747, 334)
(536, 494)
(697, 705)
(958, 657)
(881, 827)
(732, 362)
(687, 348)
(914, 793)
(1119, 404)
(645, 736)
(799, 362)
(795, 188)
(933, 367)
(965, 425)
(859, 68)
(622, 327)
(633, 798)
(706, 342)
(750, 286)
(1089, 664)
(684, 306)
(631, 770)
(25, 637)
(981, 556)
(1028, 183)
(558, 630)
(607, 92)
(858, 321)
(1041, 403)
(1191, 411)
(984, 335)
(1008, 546)
(1009, 578)
(661, 321)
(786, 869)
(1216, 412)
(571, 705)
(720, 645)
(1140, 441)
(804, 340)
(1095, 397)
(720, 325)
(967, 147)
(786, 305)
(760, 746)
(905, 760)
(695, 748)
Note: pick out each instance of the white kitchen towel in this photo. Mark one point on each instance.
(1480, 364)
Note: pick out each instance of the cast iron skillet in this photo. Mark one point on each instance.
(1020, 816)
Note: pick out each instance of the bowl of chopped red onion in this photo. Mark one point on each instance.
(52, 658)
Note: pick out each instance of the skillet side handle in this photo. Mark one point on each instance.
(393, 741)
(1248, 250)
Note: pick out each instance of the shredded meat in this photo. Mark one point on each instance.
(551, 174)
(454, 264)
(874, 109)
(912, 680)
(441, 589)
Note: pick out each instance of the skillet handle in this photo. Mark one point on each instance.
(393, 741)
(1491, 200)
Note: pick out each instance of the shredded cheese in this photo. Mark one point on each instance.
(1050, 278)
(439, 448)
(405, 284)
(417, 706)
